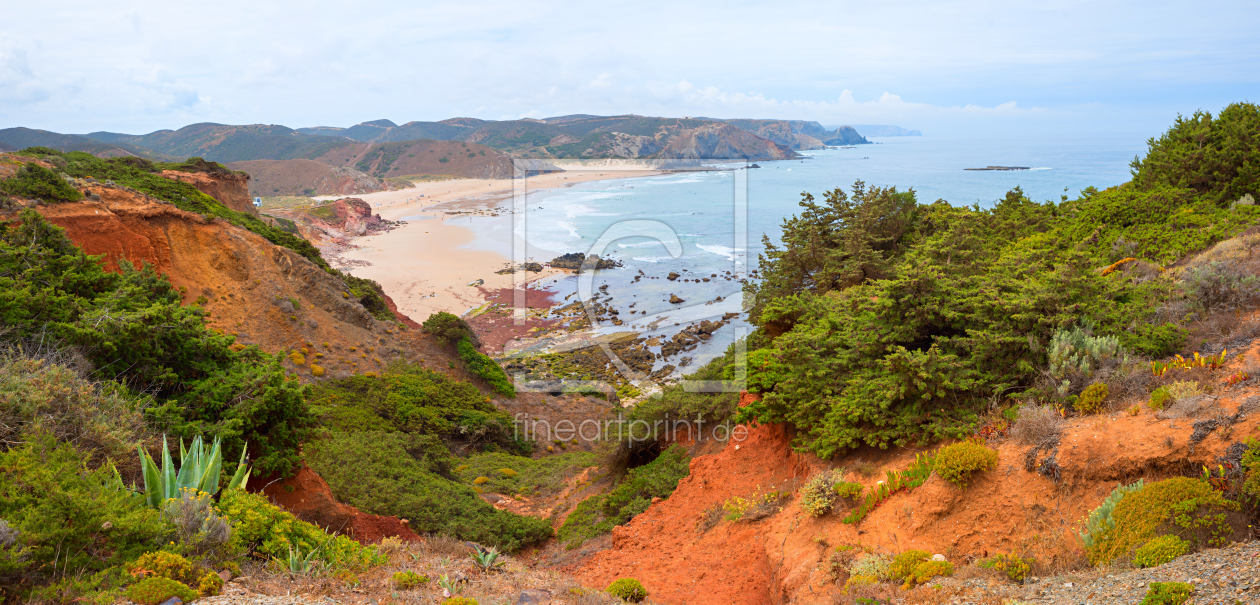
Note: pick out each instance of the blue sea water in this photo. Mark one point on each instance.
(701, 209)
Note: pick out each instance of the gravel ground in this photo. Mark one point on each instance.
(1229, 575)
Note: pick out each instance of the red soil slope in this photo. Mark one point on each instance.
(308, 496)
(783, 558)
(232, 192)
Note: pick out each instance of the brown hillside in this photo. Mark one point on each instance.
(266, 294)
(422, 157)
(296, 177)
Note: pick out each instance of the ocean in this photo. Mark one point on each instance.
(703, 210)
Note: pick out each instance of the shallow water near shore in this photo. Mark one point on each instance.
(699, 208)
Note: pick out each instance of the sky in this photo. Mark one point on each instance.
(948, 68)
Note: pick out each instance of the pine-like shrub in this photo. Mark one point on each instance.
(627, 589)
(33, 181)
(485, 368)
(956, 462)
(450, 328)
(1160, 550)
(155, 590)
(1189, 507)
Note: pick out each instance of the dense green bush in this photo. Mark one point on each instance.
(1213, 156)
(1167, 593)
(70, 520)
(1190, 508)
(1100, 521)
(958, 461)
(599, 514)
(417, 400)
(133, 328)
(627, 589)
(376, 473)
(819, 493)
(36, 182)
(1015, 567)
(1091, 399)
(485, 368)
(450, 329)
(269, 532)
(155, 590)
(1160, 551)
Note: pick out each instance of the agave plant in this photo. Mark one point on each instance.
(487, 559)
(199, 468)
(300, 564)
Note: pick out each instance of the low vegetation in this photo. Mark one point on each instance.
(599, 514)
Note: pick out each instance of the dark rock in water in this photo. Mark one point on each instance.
(672, 276)
(533, 596)
(576, 260)
(754, 166)
(673, 298)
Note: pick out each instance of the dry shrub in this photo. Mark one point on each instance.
(1037, 425)
(1190, 407)
(439, 545)
(710, 518)
(1126, 383)
(874, 593)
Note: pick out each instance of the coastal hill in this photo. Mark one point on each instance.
(885, 130)
(13, 139)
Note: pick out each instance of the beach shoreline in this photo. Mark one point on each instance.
(425, 265)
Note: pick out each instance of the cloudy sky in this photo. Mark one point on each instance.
(946, 67)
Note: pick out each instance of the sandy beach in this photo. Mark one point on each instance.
(423, 266)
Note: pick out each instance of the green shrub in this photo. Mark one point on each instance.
(485, 368)
(891, 323)
(627, 589)
(408, 580)
(1013, 566)
(459, 601)
(65, 514)
(1215, 157)
(599, 514)
(165, 564)
(414, 399)
(41, 394)
(871, 565)
(376, 473)
(36, 182)
(450, 329)
(956, 462)
(1159, 551)
(849, 490)
(269, 532)
(1251, 468)
(1167, 593)
(921, 573)
(1160, 398)
(903, 564)
(819, 493)
(543, 476)
(1100, 521)
(1077, 351)
(1190, 507)
(1091, 399)
(153, 591)
(133, 328)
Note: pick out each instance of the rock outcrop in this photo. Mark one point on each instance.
(230, 188)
